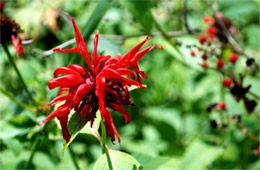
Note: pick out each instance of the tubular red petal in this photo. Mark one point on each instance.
(131, 82)
(65, 132)
(63, 70)
(71, 50)
(81, 45)
(80, 93)
(94, 53)
(126, 72)
(100, 90)
(50, 116)
(65, 81)
(121, 110)
(109, 124)
(140, 54)
(60, 98)
(131, 53)
(79, 69)
(112, 74)
(62, 90)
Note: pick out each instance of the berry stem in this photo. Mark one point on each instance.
(10, 58)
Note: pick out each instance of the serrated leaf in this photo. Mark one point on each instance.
(120, 160)
(141, 10)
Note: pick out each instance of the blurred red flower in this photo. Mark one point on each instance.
(17, 46)
(103, 84)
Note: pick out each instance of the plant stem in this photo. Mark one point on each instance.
(73, 157)
(34, 147)
(18, 73)
(19, 103)
(104, 147)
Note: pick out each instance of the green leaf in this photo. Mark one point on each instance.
(78, 124)
(163, 163)
(199, 156)
(141, 11)
(14, 145)
(120, 160)
(95, 18)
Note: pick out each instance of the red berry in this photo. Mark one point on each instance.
(220, 63)
(204, 56)
(192, 53)
(212, 31)
(202, 39)
(227, 82)
(233, 58)
(221, 106)
(205, 64)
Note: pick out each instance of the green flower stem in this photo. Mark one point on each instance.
(164, 34)
(104, 147)
(19, 103)
(73, 157)
(18, 73)
(34, 147)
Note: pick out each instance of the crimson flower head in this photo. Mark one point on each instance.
(104, 84)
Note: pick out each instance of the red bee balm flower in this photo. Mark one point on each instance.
(233, 58)
(104, 84)
(17, 46)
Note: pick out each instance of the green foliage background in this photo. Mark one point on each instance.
(169, 127)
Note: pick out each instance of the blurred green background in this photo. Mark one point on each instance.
(170, 126)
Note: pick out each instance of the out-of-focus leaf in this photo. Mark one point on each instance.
(14, 145)
(199, 156)
(159, 162)
(95, 18)
(9, 131)
(141, 10)
(120, 160)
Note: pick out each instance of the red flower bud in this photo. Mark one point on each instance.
(205, 64)
(221, 106)
(202, 39)
(192, 53)
(227, 82)
(220, 63)
(233, 58)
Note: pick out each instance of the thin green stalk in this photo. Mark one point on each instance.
(19, 103)
(164, 34)
(34, 147)
(73, 157)
(104, 148)
(18, 73)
